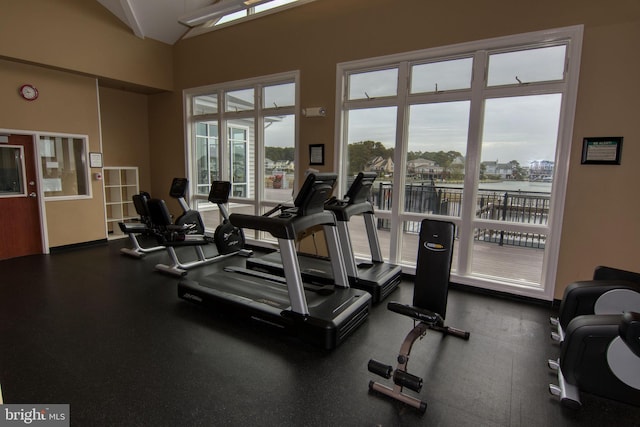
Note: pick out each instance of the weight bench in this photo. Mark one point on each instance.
(428, 309)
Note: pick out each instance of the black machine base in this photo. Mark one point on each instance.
(331, 319)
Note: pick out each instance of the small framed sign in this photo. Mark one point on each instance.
(316, 154)
(95, 160)
(604, 150)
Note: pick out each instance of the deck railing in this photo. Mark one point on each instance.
(503, 205)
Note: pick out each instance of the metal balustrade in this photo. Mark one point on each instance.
(528, 207)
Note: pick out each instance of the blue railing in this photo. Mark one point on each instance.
(528, 207)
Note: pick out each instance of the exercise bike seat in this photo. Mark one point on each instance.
(417, 313)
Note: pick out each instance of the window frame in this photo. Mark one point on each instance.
(84, 158)
(477, 94)
(202, 29)
(225, 119)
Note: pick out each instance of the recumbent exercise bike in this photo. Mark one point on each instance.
(598, 328)
(189, 229)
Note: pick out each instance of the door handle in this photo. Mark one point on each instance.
(33, 194)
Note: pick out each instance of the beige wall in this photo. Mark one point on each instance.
(601, 220)
(67, 104)
(125, 133)
(84, 37)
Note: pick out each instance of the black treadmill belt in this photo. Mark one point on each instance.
(270, 292)
(313, 268)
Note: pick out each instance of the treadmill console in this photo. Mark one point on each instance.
(219, 192)
(315, 190)
(360, 188)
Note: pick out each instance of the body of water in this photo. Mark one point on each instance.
(541, 187)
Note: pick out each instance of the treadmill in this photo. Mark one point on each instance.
(321, 315)
(377, 277)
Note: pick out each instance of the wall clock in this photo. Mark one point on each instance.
(29, 92)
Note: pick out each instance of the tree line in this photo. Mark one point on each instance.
(363, 152)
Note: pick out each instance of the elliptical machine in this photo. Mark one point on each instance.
(189, 229)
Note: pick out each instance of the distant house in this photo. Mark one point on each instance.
(424, 169)
(268, 164)
(541, 170)
(498, 170)
(381, 165)
(284, 165)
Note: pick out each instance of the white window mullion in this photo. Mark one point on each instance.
(472, 164)
(259, 151)
(397, 206)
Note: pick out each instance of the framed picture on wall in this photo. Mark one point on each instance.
(604, 150)
(316, 154)
(95, 160)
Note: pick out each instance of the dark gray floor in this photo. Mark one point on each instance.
(108, 335)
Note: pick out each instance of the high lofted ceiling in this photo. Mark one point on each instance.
(155, 19)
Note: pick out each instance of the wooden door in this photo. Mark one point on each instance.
(20, 229)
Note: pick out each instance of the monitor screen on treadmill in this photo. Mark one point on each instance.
(361, 187)
(307, 197)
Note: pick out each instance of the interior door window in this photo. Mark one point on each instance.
(11, 171)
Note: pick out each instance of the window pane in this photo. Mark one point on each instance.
(272, 4)
(371, 136)
(371, 142)
(373, 84)
(232, 17)
(435, 157)
(279, 152)
(526, 66)
(206, 152)
(241, 148)
(518, 152)
(441, 76)
(279, 96)
(205, 104)
(11, 171)
(240, 100)
(64, 168)
(512, 256)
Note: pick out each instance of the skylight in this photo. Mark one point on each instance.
(256, 10)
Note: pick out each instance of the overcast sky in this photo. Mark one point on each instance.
(520, 128)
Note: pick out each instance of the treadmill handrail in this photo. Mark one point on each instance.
(344, 211)
(284, 226)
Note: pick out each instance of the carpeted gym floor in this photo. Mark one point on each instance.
(108, 335)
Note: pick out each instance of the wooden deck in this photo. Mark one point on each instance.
(488, 259)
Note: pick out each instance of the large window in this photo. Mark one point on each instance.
(250, 141)
(477, 134)
(63, 161)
